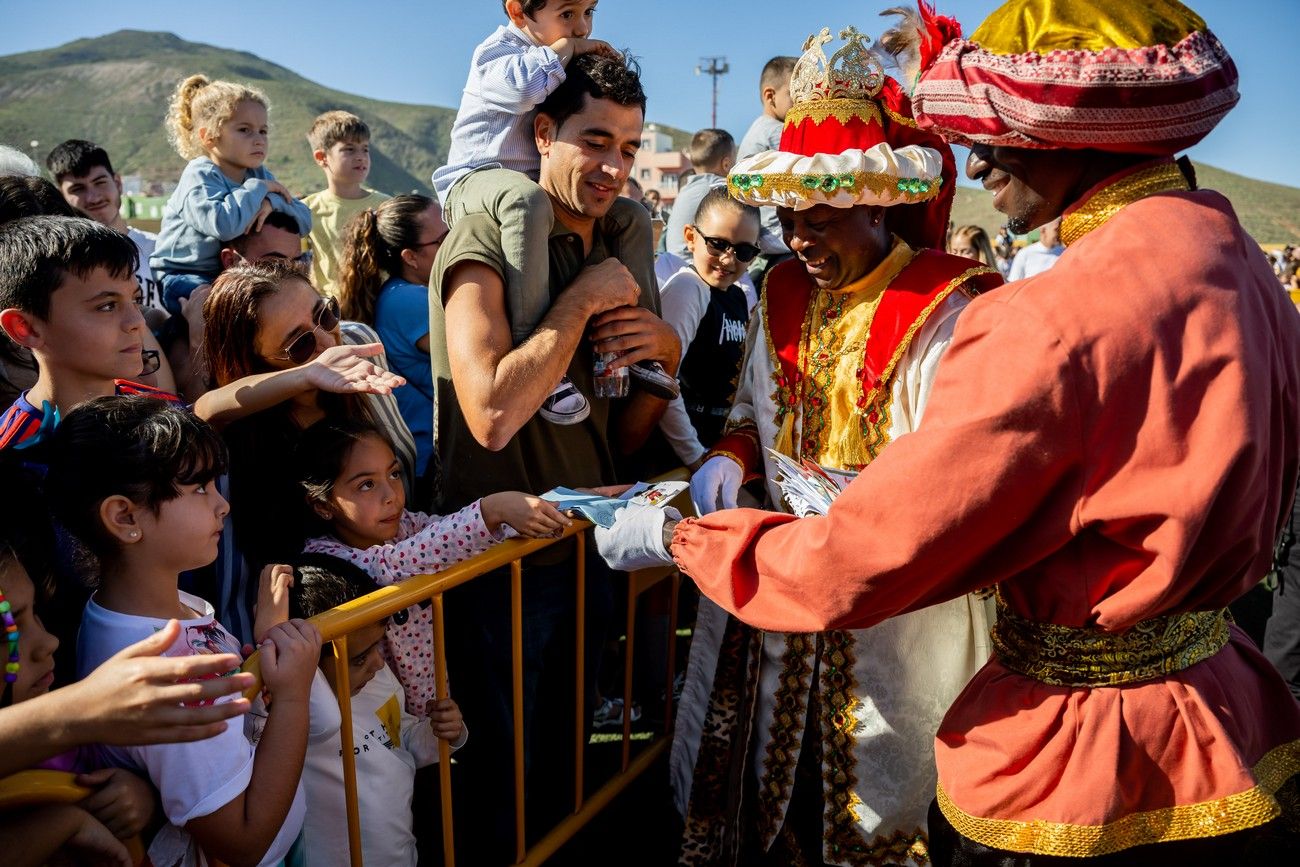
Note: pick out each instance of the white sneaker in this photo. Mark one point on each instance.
(565, 405)
(610, 714)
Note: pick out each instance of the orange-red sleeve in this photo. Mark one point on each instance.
(985, 488)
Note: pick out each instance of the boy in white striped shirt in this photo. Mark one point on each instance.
(493, 166)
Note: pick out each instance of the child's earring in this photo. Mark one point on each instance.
(134, 534)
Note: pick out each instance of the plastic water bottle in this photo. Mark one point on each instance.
(608, 383)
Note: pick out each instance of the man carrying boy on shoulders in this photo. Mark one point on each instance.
(488, 391)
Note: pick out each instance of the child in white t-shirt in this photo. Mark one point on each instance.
(132, 479)
(388, 742)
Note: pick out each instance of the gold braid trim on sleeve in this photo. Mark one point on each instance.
(1237, 812)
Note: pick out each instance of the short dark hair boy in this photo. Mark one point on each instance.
(68, 293)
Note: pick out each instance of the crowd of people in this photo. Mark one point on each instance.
(279, 404)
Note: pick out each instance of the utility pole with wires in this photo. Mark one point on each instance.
(713, 67)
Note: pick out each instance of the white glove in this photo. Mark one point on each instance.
(715, 485)
(636, 541)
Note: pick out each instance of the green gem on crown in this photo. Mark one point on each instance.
(811, 182)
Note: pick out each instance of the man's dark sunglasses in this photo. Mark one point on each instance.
(743, 252)
(302, 347)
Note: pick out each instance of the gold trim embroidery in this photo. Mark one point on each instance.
(723, 453)
(784, 395)
(843, 110)
(1107, 202)
(822, 188)
(1072, 656)
(874, 424)
(899, 118)
(917, 324)
(789, 716)
(1237, 812)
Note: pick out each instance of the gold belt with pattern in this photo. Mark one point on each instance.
(1074, 656)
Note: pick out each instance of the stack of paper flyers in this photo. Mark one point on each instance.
(601, 510)
(808, 487)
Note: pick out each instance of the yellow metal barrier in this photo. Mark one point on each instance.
(45, 788)
(32, 788)
(336, 624)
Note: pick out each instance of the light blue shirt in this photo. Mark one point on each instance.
(1034, 259)
(207, 209)
(402, 319)
(509, 76)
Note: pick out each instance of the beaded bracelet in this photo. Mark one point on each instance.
(11, 635)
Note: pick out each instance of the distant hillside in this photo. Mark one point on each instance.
(1270, 212)
(114, 90)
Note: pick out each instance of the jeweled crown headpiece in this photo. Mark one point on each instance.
(850, 140)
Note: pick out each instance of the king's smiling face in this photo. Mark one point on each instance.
(836, 245)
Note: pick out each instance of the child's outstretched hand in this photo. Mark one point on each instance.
(290, 655)
(272, 598)
(530, 516)
(123, 802)
(445, 719)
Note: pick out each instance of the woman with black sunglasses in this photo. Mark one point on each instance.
(275, 351)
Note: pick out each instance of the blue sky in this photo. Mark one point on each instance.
(417, 51)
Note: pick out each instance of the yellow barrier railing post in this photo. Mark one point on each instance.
(343, 692)
(337, 623)
(580, 677)
(517, 678)
(444, 749)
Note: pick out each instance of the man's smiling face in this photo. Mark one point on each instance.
(586, 159)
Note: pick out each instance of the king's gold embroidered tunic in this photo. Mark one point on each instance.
(878, 693)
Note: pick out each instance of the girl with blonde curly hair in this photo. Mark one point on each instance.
(224, 192)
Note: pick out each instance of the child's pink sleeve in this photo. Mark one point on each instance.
(429, 543)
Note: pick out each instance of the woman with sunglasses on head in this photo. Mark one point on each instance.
(277, 355)
(383, 282)
(710, 313)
